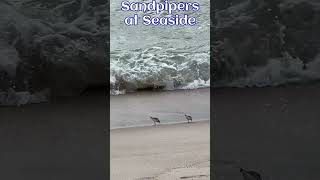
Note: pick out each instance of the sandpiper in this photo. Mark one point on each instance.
(304, 67)
(250, 175)
(189, 118)
(155, 120)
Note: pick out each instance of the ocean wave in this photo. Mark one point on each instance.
(13, 98)
(277, 71)
(265, 43)
(56, 45)
(156, 67)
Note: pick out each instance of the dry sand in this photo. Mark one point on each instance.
(164, 152)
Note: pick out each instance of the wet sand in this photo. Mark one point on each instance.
(173, 150)
(163, 152)
(62, 140)
(134, 109)
(275, 131)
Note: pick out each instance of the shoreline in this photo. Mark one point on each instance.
(160, 125)
(62, 140)
(135, 109)
(157, 91)
(163, 124)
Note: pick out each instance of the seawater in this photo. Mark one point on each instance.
(169, 57)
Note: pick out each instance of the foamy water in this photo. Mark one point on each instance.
(239, 61)
(169, 57)
(278, 71)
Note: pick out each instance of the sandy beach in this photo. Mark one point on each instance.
(134, 109)
(62, 140)
(274, 131)
(163, 152)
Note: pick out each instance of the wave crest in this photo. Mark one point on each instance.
(156, 67)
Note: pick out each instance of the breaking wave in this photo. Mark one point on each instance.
(157, 67)
(167, 58)
(264, 43)
(278, 71)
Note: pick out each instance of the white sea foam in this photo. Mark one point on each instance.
(279, 71)
(163, 57)
(197, 84)
(158, 68)
(13, 98)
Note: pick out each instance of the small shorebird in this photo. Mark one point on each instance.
(189, 118)
(250, 175)
(155, 120)
(304, 67)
